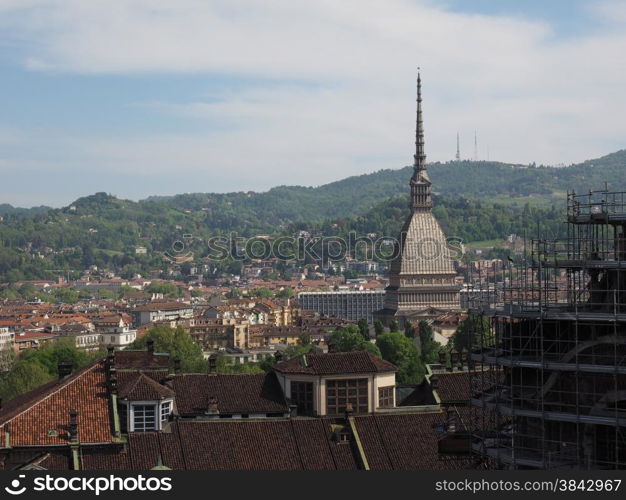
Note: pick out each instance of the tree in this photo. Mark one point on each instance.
(51, 354)
(268, 363)
(227, 365)
(364, 328)
(429, 348)
(286, 293)
(105, 294)
(409, 330)
(350, 339)
(475, 331)
(65, 295)
(35, 367)
(350, 274)
(305, 339)
(167, 289)
(378, 327)
(396, 348)
(393, 326)
(24, 377)
(262, 293)
(178, 343)
(295, 351)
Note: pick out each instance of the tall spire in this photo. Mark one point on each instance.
(420, 183)
(458, 148)
(419, 157)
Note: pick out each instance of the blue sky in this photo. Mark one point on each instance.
(141, 97)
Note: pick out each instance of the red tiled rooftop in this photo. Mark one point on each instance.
(35, 417)
(336, 363)
(138, 387)
(234, 393)
(141, 360)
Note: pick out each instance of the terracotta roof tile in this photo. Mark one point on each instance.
(234, 393)
(141, 360)
(336, 363)
(401, 442)
(454, 386)
(406, 442)
(139, 387)
(41, 417)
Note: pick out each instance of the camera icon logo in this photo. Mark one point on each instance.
(15, 489)
(177, 253)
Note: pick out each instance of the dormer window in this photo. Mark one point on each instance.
(144, 418)
(144, 404)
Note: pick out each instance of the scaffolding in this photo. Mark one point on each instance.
(549, 344)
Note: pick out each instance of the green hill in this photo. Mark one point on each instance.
(356, 195)
(475, 201)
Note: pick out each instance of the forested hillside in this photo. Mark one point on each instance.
(357, 195)
(474, 201)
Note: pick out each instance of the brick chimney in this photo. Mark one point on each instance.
(454, 358)
(293, 410)
(303, 361)
(168, 381)
(110, 360)
(212, 406)
(464, 358)
(177, 365)
(73, 428)
(65, 369)
(113, 380)
(213, 364)
(442, 357)
(349, 411)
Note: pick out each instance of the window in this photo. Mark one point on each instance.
(302, 397)
(341, 392)
(385, 397)
(166, 409)
(144, 418)
(123, 413)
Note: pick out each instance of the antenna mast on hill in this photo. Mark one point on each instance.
(475, 147)
(458, 149)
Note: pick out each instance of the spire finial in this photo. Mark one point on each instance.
(420, 183)
(420, 157)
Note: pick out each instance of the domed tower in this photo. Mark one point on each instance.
(422, 275)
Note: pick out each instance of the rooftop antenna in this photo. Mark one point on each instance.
(458, 148)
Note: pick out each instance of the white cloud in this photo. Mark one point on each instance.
(530, 95)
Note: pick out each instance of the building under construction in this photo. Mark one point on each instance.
(549, 384)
